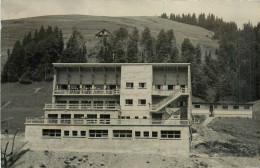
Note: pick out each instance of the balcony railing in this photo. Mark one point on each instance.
(88, 92)
(112, 121)
(57, 106)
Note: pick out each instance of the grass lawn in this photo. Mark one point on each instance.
(24, 102)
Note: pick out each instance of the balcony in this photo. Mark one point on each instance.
(86, 92)
(58, 106)
(112, 121)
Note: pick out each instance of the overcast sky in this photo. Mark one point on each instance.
(240, 11)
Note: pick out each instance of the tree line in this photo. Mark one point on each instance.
(238, 55)
(31, 59)
(235, 72)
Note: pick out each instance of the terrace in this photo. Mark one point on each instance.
(86, 92)
(58, 106)
(111, 121)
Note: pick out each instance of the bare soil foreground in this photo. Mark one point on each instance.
(211, 148)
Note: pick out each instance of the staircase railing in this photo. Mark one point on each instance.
(167, 100)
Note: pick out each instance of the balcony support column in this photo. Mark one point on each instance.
(55, 85)
(59, 118)
(189, 92)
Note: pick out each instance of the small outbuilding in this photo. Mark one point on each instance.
(223, 109)
(103, 33)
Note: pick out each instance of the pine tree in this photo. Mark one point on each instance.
(198, 54)
(14, 65)
(76, 50)
(162, 49)
(187, 51)
(147, 43)
(132, 47)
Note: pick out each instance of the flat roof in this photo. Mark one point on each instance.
(222, 103)
(118, 64)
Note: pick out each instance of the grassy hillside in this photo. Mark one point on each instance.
(23, 101)
(13, 30)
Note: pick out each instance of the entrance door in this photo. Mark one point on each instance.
(211, 110)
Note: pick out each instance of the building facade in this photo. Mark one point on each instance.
(116, 107)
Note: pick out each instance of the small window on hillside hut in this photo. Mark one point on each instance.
(246, 107)
(236, 107)
(197, 106)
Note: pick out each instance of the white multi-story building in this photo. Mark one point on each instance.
(116, 107)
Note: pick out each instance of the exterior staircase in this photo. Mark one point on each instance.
(173, 96)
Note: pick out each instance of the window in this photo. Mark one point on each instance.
(247, 107)
(122, 117)
(91, 118)
(170, 134)
(141, 102)
(146, 133)
(98, 133)
(129, 102)
(82, 133)
(65, 118)
(197, 106)
(63, 87)
(136, 117)
(122, 133)
(129, 85)
(181, 104)
(98, 104)
(88, 87)
(142, 85)
(236, 107)
(75, 133)
(137, 133)
(66, 133)
(62, 102)
(127, 117)
(158, 87)
(225, 107)
(78, 116)
(51, 132)
(104, 118)
(53, 118)
(154, 134)
(144, 117)
(170, 87)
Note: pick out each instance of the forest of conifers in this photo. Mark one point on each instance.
(233, 74)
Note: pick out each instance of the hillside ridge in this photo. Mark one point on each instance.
(15, 29)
